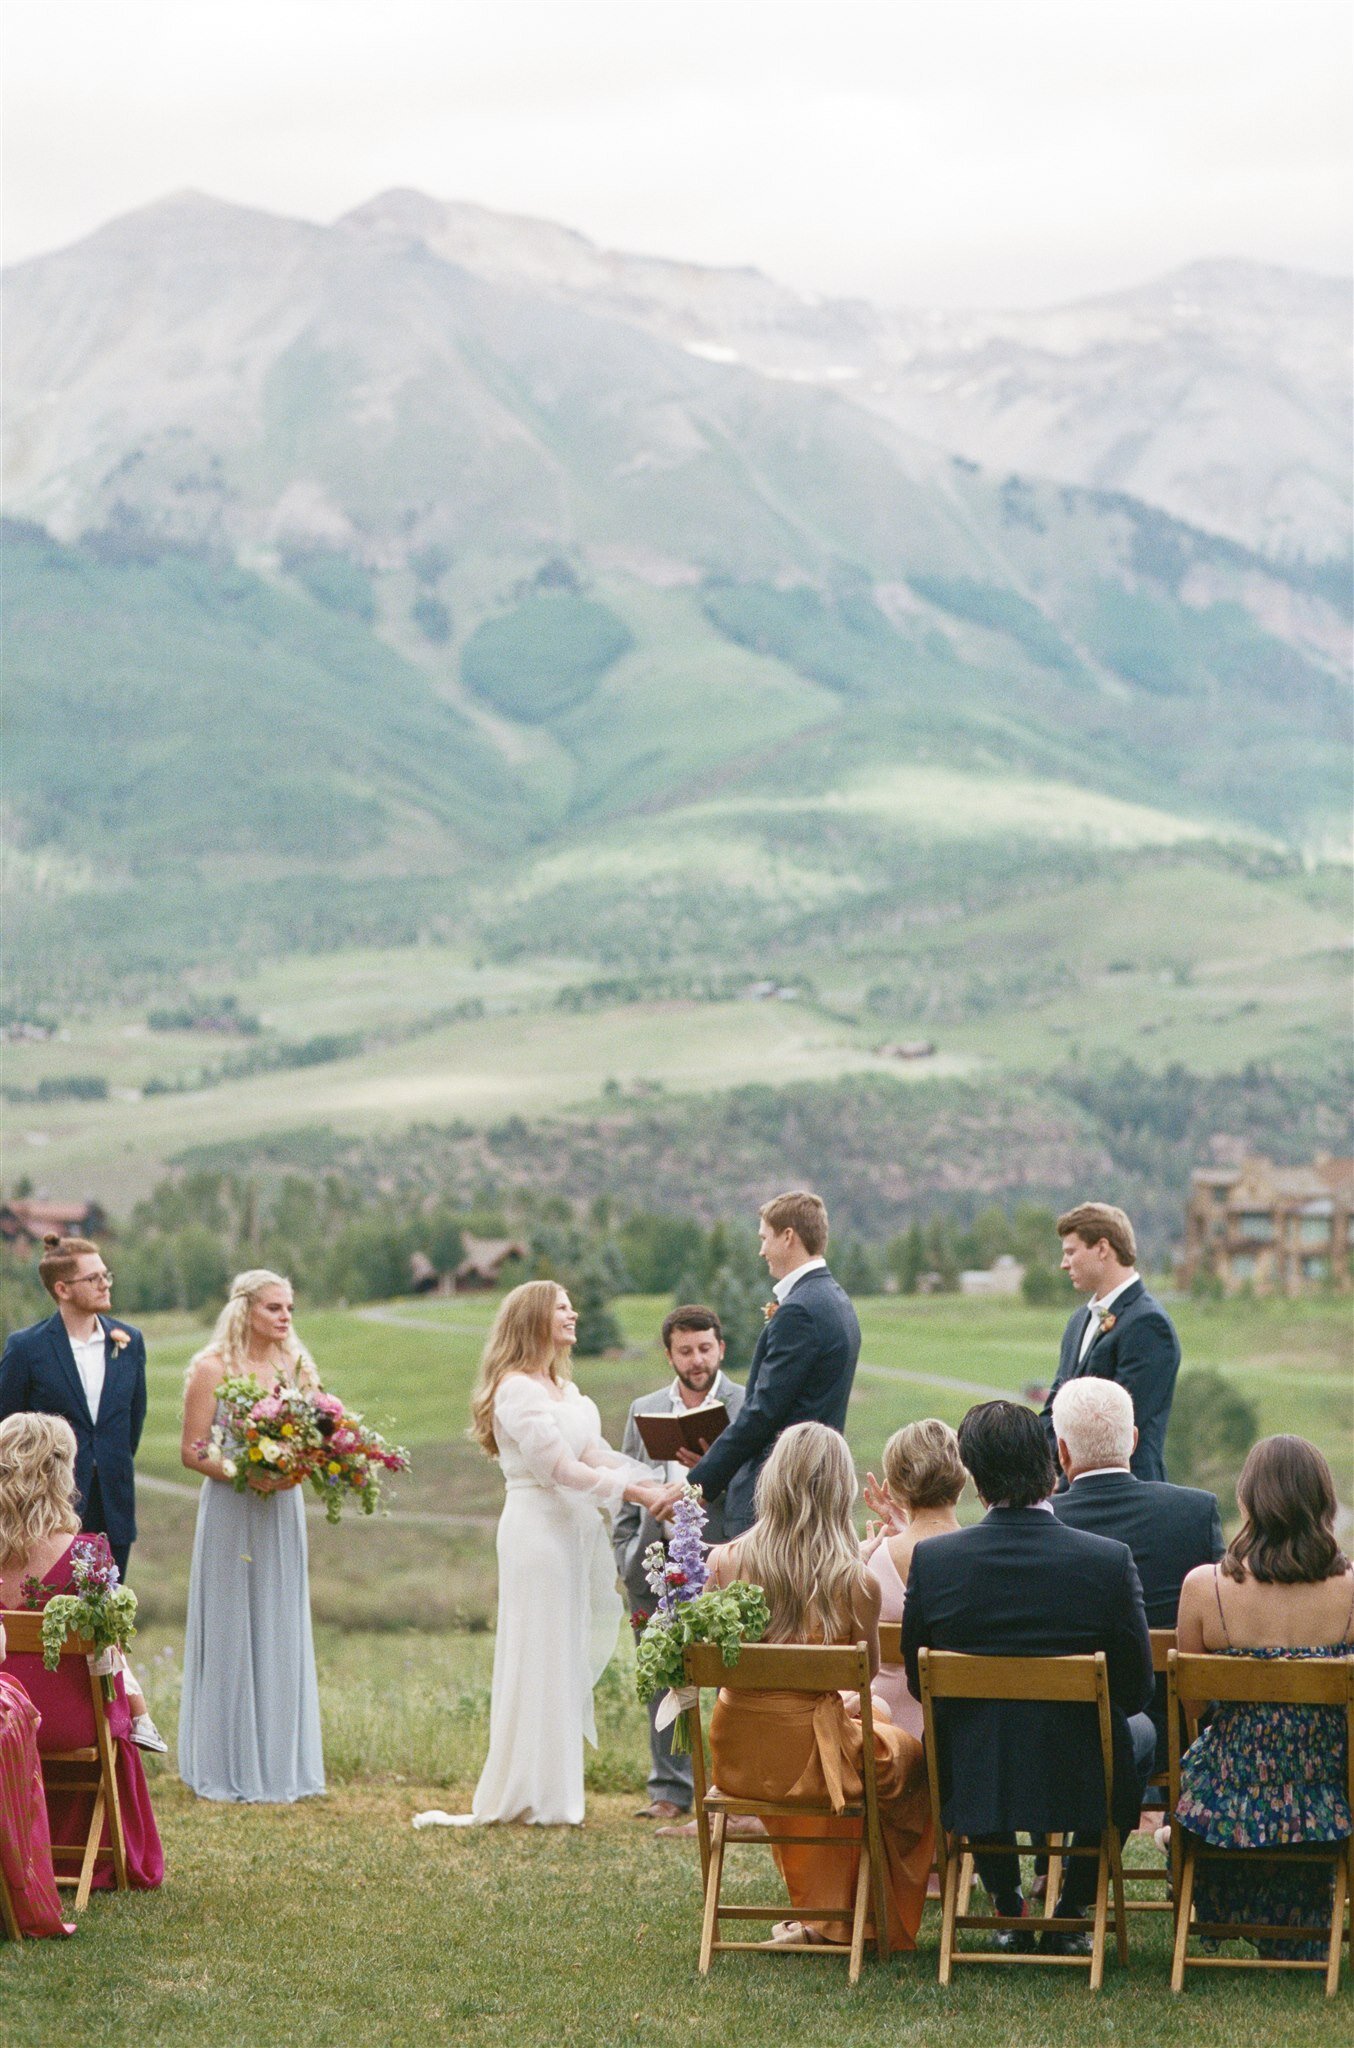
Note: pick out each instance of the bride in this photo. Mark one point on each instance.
(558, 1606)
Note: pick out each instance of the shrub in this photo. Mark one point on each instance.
(545, 657)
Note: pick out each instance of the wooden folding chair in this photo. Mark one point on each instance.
(1192, 1684)
(1163, 1877)
(91, 1769)
(9, 1919)
(790, 1667)
(891, 1653)
(948, 1675)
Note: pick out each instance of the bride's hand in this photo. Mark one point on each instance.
(656, 1500)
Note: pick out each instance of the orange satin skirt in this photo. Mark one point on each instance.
(789, 1746)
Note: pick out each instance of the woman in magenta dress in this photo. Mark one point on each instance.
(38, 1530)
(25, 1840)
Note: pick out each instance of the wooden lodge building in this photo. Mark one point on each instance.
(1277, 1229)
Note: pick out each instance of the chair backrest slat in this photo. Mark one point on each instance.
(890, 1642)
(1163, 1642)
(1291, 1681)
(788, 1667)
(954, 1675)
(23, 1633)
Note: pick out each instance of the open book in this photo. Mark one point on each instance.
(664, 1435)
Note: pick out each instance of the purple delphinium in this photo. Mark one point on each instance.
(89, 1570)
(678, 1573)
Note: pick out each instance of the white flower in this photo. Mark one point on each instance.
(228, 1467)
(272, 1450)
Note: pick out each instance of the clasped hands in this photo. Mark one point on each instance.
(659, 1500)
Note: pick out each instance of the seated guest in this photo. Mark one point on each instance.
(923, 1478)
(1271, 1776)
(25, 1844)
(37, 1524)
(1169, 1529)
(1020, 1584)
(803, 1551)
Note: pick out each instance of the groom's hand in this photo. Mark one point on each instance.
(666, 1500)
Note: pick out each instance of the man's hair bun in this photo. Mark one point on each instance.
(51, 1239)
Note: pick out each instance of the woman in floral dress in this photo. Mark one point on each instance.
(1271, 1777)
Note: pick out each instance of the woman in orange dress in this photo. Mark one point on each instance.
(804, 1553)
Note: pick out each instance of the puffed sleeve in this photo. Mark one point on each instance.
(528, 1415)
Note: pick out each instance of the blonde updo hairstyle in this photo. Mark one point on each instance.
(230, 1338)
(37, 1484)
(922, 1465)
(522, 1339)
(803, 1550)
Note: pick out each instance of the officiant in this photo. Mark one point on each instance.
(694, 1342)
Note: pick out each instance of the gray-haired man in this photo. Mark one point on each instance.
(694, 1342)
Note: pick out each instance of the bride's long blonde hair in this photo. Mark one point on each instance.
(230, 1337)
(803, 1550)
(522, 1339)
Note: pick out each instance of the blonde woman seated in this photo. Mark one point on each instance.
(924, 1476)
(803, 1551)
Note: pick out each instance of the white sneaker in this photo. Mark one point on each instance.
(146, 1735)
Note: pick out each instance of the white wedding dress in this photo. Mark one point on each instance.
(559, 1609)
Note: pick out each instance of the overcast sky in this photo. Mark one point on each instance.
(958, 152)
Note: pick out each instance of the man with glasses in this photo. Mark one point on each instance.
(89, 1368)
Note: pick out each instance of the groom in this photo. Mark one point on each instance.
(804, 1362)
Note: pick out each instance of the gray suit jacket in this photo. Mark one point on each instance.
(634, 1528)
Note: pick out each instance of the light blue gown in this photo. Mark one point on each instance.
(249, 1721)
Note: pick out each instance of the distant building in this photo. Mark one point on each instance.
(24, 1222)
(485, 1258)
(1278, 1229)
(1003, 1276)
(908, 1049)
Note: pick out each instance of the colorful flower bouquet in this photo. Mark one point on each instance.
(354, 1458)
(687, 1613)
(295, 1434)
(100, 1607)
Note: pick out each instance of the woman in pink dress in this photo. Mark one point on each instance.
(38, 1531)
(25, 1842)
(924, 1476)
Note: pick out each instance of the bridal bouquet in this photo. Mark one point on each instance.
(354, 1458)
(689, 1613)
(100, 1608)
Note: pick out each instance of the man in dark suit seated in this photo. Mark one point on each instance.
(1021, 1584)
(1169, 1529)
(89, 1368)
(1122, 1334)
(803, 1364)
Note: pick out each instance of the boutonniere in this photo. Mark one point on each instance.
(1107, 1323)
(769, 1310)
(119, 1339)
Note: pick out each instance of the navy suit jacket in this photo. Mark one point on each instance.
(1022, 1584)
(1169, 1529)
(1141, 1352)
(802, 1371)
(38, 1373)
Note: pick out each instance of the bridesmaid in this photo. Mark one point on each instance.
(249, 1725)
(39, 1528)
(803, 1551)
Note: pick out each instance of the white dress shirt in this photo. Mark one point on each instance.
(1100, 1308)
(789, 1280)
(91, 1358)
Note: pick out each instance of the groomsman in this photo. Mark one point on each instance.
(1122, 1334)
(803, 1364)
(90, 1369)
(693, 1338)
